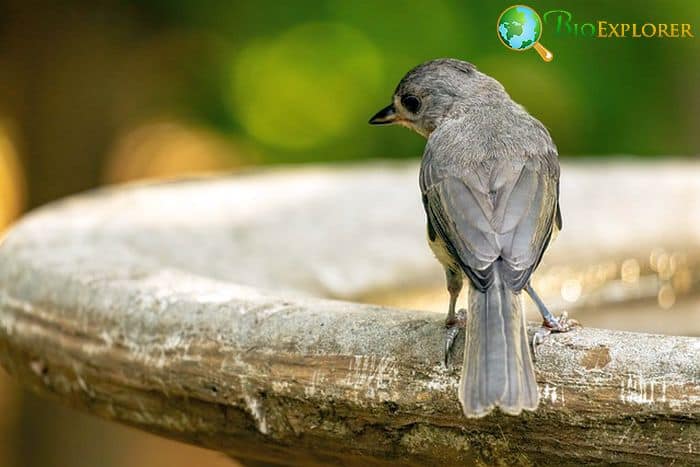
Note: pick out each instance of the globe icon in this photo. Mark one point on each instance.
(520, 28)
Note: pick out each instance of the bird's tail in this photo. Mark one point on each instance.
(498, 369)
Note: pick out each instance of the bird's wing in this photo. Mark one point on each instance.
(529, 207)
(506, 212)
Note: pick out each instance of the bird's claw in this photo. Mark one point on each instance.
(453, 327)
(562, 324)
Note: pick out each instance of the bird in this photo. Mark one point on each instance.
(489, 182)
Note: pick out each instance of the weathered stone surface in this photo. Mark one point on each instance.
(199, 310)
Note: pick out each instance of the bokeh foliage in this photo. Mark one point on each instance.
(327, 65)
(278, 82)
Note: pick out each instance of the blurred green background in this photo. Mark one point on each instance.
(95, 92)
(106, 91)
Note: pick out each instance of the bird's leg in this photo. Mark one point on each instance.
(453, 329)
(454, 321)
(550, 323)
(548, 318)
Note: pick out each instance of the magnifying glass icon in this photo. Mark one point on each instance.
(520, 28)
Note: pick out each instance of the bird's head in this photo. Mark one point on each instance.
(435, 91)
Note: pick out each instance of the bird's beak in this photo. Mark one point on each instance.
(386, 116)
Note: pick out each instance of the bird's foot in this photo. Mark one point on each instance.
(561, 324)
(452, 328)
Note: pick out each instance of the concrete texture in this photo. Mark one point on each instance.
(199, 310)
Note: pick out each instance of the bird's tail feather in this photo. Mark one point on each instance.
(498, 369)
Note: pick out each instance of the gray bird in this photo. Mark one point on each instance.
(489, 179)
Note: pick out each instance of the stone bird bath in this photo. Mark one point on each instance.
(252, 315)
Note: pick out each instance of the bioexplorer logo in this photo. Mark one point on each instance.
(562, 23)
(519, 27)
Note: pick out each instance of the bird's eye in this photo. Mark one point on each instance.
(410, 103)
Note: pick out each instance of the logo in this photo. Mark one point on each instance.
(562, 23)
(520, 28)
